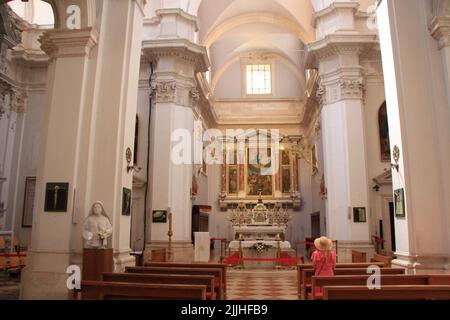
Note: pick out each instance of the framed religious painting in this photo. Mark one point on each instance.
(159, 216)
(56, 196)
(233, 180)
(259, 172)
(383, 128)
(126, 202)
(359, 215)
(399, 203)
(28, 203)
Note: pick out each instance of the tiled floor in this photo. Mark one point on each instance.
(262, 285)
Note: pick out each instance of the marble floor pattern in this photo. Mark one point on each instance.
(262, 285)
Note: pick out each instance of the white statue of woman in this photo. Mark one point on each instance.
(97, 227)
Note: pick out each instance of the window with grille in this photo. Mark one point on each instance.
(259, 79)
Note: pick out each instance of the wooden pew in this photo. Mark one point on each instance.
(300, 268)
(380, 258)
(207, 281)
(308, 273)
(105, 290)
(408, 292)
(216, 272)
(223, 266)
(321, 281)
(359, 256)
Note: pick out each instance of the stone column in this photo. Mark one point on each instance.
(341, 97)
(50, 253)
(114, 117)
(88, 125)
(336, 53)
(177, 61)
(416, 80)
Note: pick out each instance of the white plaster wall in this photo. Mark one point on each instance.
(28, 159)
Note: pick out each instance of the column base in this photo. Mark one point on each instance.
(422, 262)
(45, 277)
(345, 248)
(182, 250)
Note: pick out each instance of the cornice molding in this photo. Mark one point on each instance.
(181, 48)
(68, 43)
(440, 30)
(160, 13)
(332, 8)
(342, 44)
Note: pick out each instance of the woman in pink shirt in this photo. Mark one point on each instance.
(323, 259)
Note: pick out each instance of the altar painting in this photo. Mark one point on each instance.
(232, 180)
(259, 164)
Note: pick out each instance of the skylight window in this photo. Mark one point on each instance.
(259, 79)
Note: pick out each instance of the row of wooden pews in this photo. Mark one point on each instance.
(350, 283)
(161, 280)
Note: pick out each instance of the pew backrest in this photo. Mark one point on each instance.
(216, 272)
(222, 266)
(361, 280)
(403, 292)
(300, 268)
(105, 290)
(308, 273)
(380, 258)
(205, 280)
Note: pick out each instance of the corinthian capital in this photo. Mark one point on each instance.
(18, 101)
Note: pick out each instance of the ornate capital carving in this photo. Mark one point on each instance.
(18, 101)
(163, 91)
(195, 97)
(171, 91)
(318, 127)
(321, 95)
(352, 89)
(5, 88)
(440, 30)
(340, 88)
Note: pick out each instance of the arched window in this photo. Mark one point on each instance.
(136, 140)
(383, 126)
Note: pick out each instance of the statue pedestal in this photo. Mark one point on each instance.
(95, 262)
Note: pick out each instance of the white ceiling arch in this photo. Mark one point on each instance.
(213, 12)
(257, 17)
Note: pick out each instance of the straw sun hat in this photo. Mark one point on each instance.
(323, 243)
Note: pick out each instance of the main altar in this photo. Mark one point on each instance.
(259, 234)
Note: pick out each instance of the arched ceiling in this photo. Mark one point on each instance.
(34, 12)
(232, 28)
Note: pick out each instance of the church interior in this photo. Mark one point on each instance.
(210, 149)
